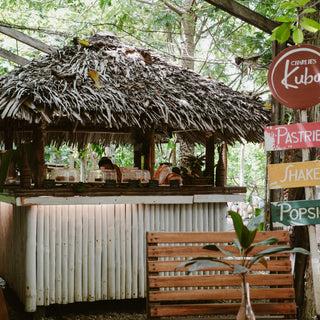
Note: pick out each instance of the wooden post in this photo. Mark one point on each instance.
(38, 145)
(309, 195)
(274, 156)
(137, 154)
(149, 151)
(8, 135)
(3, 307)
(8, 144)
(209, 154)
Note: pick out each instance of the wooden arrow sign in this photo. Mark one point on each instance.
(294, 174)
(296, 213)
(293, 136)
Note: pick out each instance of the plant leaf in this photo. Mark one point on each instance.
(237, 245)
(94, 75)
(84, 43)
(255, 222)
(263, 261)
(289, 5)
(285, 19)
(247, 237)
(237, 223)
(282, 33)
(276, 250)
(310, 25)
(268, 241)
(302, 2)
(308, 10)
(238, 269)
(201, 263)
(216, 248)
(297, 36)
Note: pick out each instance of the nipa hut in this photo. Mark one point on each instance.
(67, 246)
(104, 90)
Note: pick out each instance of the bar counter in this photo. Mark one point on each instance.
(87, 243)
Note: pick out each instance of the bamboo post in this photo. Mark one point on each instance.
(31, 259)
(225, 161)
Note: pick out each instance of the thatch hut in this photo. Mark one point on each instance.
(104, 90)
(63, 246)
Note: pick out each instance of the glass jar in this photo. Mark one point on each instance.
(63, 175)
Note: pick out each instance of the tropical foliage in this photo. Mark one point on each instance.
(244, 244)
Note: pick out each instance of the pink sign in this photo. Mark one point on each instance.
(293, 136)
(294, 76)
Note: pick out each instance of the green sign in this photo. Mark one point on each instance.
(296, 213)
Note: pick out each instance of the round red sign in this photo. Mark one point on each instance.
(294, 76)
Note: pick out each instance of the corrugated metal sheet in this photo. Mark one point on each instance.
(77, 253)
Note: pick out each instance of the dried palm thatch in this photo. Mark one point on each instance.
(85, 90)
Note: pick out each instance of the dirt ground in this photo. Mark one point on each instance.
(102, 310)
(134, 309)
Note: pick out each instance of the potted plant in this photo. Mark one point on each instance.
(245, 244)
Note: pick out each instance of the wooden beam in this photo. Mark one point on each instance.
(26, 39)
(238, 10)
(13, 57)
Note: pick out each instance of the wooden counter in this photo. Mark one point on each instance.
(102, 195)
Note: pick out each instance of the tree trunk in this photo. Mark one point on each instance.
(188, 23)
(186, 149)
(308, 305)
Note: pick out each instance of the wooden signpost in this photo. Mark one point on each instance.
(294, 80)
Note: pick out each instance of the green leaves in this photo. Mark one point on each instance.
(294, 4)
(294, 25)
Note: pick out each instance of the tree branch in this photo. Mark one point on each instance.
(176, 9)
(239, 11)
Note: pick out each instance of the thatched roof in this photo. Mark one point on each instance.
(136, 89)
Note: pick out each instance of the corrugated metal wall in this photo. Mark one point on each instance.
(93, 252)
